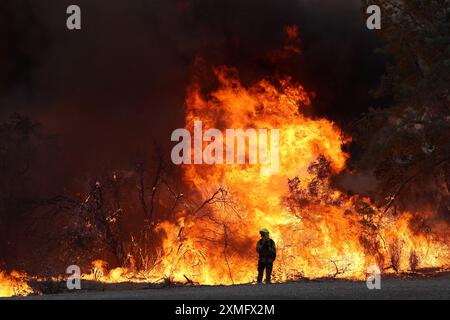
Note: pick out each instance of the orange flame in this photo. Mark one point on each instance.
(325, 237)
(318, 230)
(14, 285)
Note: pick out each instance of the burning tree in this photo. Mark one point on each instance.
(406, 145)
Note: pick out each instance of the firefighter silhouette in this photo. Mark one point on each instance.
(267, 254)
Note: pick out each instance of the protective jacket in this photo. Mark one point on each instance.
(266, 250)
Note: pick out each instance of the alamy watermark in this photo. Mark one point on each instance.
(259, 146)
(373, 22)
(374, 278)
(74, 279)
(73, 21)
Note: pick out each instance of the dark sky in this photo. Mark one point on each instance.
(119, 83)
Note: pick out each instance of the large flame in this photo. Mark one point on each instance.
(319, 231)
(326, 236)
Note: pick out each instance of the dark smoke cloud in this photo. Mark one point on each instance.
(119, 83)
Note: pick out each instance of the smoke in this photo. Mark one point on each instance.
(119, 84)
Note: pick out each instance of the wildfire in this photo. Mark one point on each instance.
(14, 285)
(319, 231)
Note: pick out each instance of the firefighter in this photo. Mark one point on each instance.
(267, 254)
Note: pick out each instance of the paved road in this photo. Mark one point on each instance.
(391, 288)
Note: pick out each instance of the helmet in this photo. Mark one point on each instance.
(264, 231)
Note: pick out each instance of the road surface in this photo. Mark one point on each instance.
(437, 287)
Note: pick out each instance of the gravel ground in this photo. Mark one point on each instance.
(437, 287)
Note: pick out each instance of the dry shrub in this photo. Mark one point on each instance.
(395, 251)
